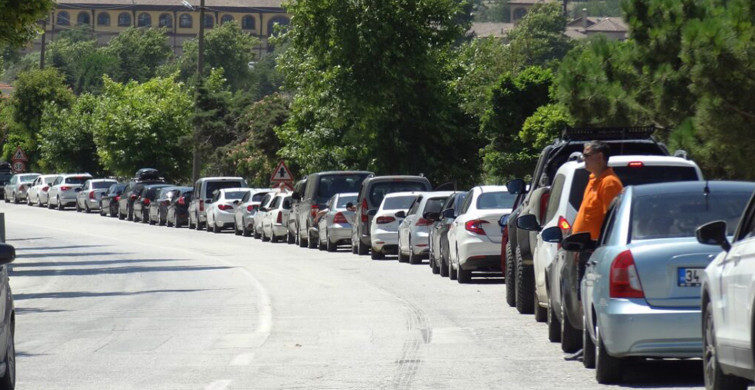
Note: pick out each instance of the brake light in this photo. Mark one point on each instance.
(543, 204)
(65, 188)
(132, 197)
(314, 210)
(384, 219)
(563, 224)
(423, 222)
(225, 207)
(145, 202)
(625, 281)
(636, 164)
(339, 218)
(21, 187)
(475, 226)
(45, 188)
(201, 205)
(280, 218)
(364, 210)
(117, 198)
(250, 208)
(91, 194)
(182, 201)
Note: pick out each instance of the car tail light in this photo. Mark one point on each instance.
(182, 201)
(45, 188)
(636, 164)
(201, 205)
(280, 218)
(132, 197)
(384, 219)
(544, 204)
(250, 208)
(563, 224)
(65, 188)
(475, 226)
(117, 198)
(21, 187)
(625, 281)
(364, 210)
(225, 207)
(145, 202)
(423, 222)
(313, 211)
(339, 218)
(91, 194)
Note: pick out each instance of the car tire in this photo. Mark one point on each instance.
(86, 208)
(510, 276)
(443, 263)
(525, 285)
(554, 325)
(712, 373)
(311, 242)
(330, 246)
(245, 232)
(120, 216)
(541, 313)
(236, 229)
(39, 201)
(588, 347)
(191, 222)
(361, 248)
(273, 238)
(15, 199)
(168, 222)
(434, 266)
(8, 381)
(264, 236)
(607, 368)
(207, 226)
(257, 234)
(571, 338)
(60, 205)
(413, 257)
(320, 244)
(452, 273)
(402, 258)
(354, 248)
(151, 221)
(28, 200)
(290, 238)
(376, 254)
(145, 217)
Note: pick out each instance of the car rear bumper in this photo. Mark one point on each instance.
(339, 233)
(475, 253)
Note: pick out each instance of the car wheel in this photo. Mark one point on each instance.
(60, 205)
(86, 208)
(236, 229)
(151, 221)
(402, 258)
(525, 285)
(191, 223)
(265, 238)
(207, 225)
(443, 262)
(413, 257)
(8, 381)
(361, 248)
(554, 326)
(321, 244)
(452, 273)
(273, 237)
(198, 225)
(354, 248)
(290, 238)
(162, 221)
(571, 338)
(510, 277)
(168, 222)
(257, 234)
(215, 228)
(588, 347)
(28, 200)
(245, 232)
(120, 216)
(329, 245)
(39, 201)
(541, 313)
(714, 377)
(78, 209)
(434, 265)
(311, 241)
(607, 367)
(462, 275)
(15, 199)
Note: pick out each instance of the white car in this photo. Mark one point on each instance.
(261, 212)
(385, 221)
(728, 287)
(247, 209)
(275, 220)
(37, 193)
(88, 198)
(566, 191)
(63, 191)
(15, 190)
(414, 230)
(474, 238)
(222, 208)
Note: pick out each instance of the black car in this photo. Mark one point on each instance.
(134, 187)
(158, 210)
(109, 200)
(178, 210)
(146, 197)
(438, 237)
(6, 172)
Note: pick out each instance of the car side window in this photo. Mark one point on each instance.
(467, 202)
(555, 197)
(609, 222)
(747, 229)
(415, 206)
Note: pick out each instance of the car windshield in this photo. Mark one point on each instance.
(338, 183)
(212, 186)
(495, 200)
(434, 205)
(343, 200)
(381, 189)
(28, 177)
(398, 202)
(667, 215)
(235, 194)
(101, 184)
(76, 179)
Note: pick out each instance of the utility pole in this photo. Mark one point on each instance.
(195, 162)
(42, 53)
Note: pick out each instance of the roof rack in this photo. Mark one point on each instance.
(607, 133)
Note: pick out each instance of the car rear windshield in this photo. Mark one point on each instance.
(343, 200)
(495, 200)
(101, 184)
(28, 177)
(380, 190)
(434, 205)
(76, 179)
(632, 176)
(398, 202)
(258, 196)
(667, 215)
(235, 194)
(212, 186)
(336, 184)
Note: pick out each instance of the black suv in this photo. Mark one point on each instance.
(517, 254)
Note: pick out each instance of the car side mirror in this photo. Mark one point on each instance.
(578, 242)
(448, 213)
(432, 216)
(296, 196)
(400, 214)
(77, 189)
(236, 202)
(528, 222)
(552, 234)
(516, 186)
(262, 209)
(504, 220)
(7, 254)
(713, 233)
(372, 213)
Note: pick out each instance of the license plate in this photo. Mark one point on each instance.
(690, 277)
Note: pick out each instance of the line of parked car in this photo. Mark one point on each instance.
(656, 284)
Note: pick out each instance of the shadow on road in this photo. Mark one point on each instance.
(112, 270)
(68, 254)
(85, 294)
(662, 374)
(86, 263)
(43, 248)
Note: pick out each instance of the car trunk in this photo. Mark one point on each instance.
(491, 227)
(669, 270)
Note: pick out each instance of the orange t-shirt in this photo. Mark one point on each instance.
(599, 194)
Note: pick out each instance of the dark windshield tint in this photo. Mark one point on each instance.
(218, 185)
(77, 179)
(679, 214)
(336, 184)
(398, 202)
(495, 200)
(234, 194)
(380, 190)
(343, 200)
(632, 176)
(258, 196)
(101, 184)
(434, 205)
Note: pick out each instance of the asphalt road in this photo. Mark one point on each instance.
(109, 304)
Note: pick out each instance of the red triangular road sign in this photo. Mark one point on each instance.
(19, 155)
(281, 173)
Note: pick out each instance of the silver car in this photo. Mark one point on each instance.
(15, 190)
(334, 222)
(414, 230)
(247, 210)
(37, 193)
(64, 189)
(641, 289)
(88, 198)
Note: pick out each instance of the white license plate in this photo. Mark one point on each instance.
(690, 277)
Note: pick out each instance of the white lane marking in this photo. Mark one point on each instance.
(219, 385)
(244, 359)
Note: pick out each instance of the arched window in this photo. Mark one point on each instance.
(225, 19)
(185, 21)
(247, 22)
(103, 19)
(166, 20)
(83, 18)
(144, 20)
(124, 19)
(519, 13)
(64, 19)
(209, 21)
(279, 20)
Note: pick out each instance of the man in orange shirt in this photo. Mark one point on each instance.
(601, 189)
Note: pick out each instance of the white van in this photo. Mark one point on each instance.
(203, 191)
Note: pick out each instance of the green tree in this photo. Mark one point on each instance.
(539, 37)
(66, 137)
(215, 120)
(492, 11)
(19, 23)
(140, 52)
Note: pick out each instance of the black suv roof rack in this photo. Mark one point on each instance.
(607, 133)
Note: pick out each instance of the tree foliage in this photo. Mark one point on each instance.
(66, 141)
(140, 52)
(19, 22)
(539, 37)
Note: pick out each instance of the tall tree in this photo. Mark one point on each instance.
(140, 52)
(19, 25)
(539, 37)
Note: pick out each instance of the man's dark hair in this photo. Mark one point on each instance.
(602, 147)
